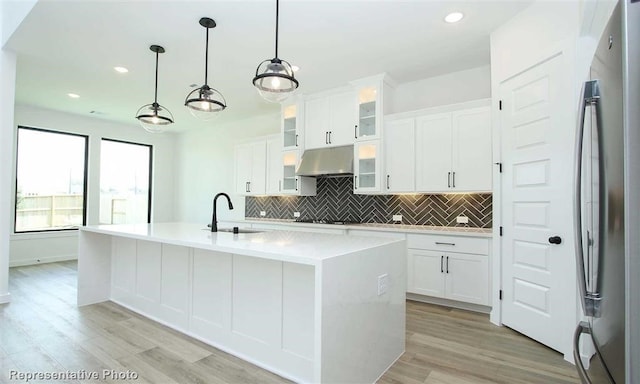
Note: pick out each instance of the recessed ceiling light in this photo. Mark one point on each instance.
(73, 95)
(295, 68)
(453, 17)
(121, 69)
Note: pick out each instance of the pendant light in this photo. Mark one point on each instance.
(205, 102)
(274, 79)
(153, 117)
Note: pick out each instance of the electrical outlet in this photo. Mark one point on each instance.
(397, 218)
(383, 284)
(296, 214)
(462, 219)
(263, 213)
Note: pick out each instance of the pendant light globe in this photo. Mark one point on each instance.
(154, 118)
(274, 79)
(204, 103)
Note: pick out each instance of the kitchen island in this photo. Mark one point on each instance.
(310, 307)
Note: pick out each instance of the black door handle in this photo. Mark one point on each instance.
(555, 240)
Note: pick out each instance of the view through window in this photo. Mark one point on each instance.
(125, 177)
(51, 180)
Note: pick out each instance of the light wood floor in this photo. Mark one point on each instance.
(42, 330)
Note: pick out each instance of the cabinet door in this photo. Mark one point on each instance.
(343, 119)
(467, 278)
(258, 181)
(290, 126)
(433, 154)
(425, 272)
(274, 167)
(317, 120)
(243, 163)
(288, 169)
(366, 166)
(472, 159)
(369, 112)
(399, 156)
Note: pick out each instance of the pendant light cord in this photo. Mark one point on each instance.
(206, 59)
(277, 18)
(155, 100)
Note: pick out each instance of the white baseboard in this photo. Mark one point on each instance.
(449, 303)
(41, 260)
(5, 298)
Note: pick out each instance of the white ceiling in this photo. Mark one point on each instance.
(72, 46)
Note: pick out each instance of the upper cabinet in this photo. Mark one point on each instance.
(292, 125)
(399, 156)
(367, 167)
(455, 151)
(290, 183)
(274, 166)
(250, 170)
(373, 96)
(328, 120)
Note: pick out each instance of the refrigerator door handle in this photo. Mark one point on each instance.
(589, 296)
(583, 327)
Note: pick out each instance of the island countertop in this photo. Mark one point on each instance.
(298, 247)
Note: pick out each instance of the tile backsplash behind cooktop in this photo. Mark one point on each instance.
(335, 200)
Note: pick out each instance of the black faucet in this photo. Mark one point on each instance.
(214, 219)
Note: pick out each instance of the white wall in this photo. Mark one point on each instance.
(30, 248)
(452, 88)
(205, 166)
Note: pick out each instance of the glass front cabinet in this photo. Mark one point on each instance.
(292, 118)
(292, 184)
(373, 101)
(367, 166)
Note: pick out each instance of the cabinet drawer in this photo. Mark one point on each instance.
(449, 243)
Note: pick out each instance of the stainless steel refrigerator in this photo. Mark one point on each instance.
(600, 212)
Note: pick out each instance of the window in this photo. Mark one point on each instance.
(51, 180)
(125, 179)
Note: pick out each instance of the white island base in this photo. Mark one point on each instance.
(310, 307)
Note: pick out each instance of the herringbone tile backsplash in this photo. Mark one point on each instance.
(335, 200)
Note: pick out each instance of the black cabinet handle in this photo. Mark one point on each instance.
(447, 264)
(329, 137)
(296, 140)
(355, 182)
(248, 186)
(355, 131)
(326, 137)
(555, 240)
(296, 183)
(441, 262)
(387, 181)
(454, 179)
(448, 179)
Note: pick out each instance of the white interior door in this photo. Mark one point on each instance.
(538, 277)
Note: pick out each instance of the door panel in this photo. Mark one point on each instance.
(426, 272)
(343, 119)
(258, 169)
(433, 160)
(472, 158)
(242, 162)
(538, 277)
(316, 123)
(400, 156)
(467, 278)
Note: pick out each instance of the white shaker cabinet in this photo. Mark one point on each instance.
(454, 151)
(329, 120)
(274, 167)
(454, 268)
(292, 120)
(290, 183)
(367, 167)
(250, 171)
(399, 156)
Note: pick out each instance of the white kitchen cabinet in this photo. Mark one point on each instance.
(399, 156)
(329, 120)
(449, 267)
(274, 167)
(366, 166)
(290, 183)
(455, 151)
(292, 125)
(372, 103)
(250, 170)
(472, 155)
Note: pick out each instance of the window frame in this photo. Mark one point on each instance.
(84, 187)
(150, 146)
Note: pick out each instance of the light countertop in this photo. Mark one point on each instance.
(291, 246)
(404, 228)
